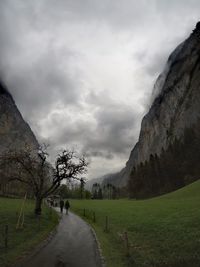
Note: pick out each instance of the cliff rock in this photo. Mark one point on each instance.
(15, 133)
(176, 105)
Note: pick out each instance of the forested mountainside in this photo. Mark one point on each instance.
(176, 107)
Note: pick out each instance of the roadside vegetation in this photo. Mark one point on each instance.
(31, 230)
(29, 168)
(162, 231)
(27, 175)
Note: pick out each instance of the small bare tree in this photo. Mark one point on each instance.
(32, 169)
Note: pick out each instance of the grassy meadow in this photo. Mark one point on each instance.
(33, 232)
(162, 231)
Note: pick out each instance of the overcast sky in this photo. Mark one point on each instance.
(82, 71)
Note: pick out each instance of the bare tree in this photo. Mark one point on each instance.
(32, 169)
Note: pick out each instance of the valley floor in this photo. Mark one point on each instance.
(162, 232)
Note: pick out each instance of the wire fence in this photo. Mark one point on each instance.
(106, 223)
(7, 231)
(10, 231)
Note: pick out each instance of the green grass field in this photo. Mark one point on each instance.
(163, 231)
(33, 232)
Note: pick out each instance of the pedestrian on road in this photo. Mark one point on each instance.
(61, 205)
(67, 206)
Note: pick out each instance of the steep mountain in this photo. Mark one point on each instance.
(14, 131)
(176, 105)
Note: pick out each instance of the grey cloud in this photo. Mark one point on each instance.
(155, 63)
(42, 85)
(37, 73)
(110, 133)
(40, 60)
(115, 12)
(120, 14)
(114, 133)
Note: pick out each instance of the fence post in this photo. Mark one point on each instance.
(38, 217)
(127, 244)
(6, 236)
(106, 225)
(94, 217)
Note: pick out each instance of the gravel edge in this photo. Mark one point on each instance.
(103, 262)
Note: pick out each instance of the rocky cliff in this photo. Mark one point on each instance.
(14, 131)
(176, 105)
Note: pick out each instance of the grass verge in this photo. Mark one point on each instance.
(162, 232)
(23, 240)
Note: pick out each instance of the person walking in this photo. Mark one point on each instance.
(61, 205)
(67, 206)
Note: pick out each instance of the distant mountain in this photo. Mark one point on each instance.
(176, 106)
(14, 131)
(98, 180)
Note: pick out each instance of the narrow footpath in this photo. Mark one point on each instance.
(73, 245)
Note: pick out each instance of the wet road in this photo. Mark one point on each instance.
(72, 246)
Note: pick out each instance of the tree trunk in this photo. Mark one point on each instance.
(38, 206)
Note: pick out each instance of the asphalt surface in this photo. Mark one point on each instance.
(73, 245)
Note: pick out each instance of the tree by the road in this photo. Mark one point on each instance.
(31, 168)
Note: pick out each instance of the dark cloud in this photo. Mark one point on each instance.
(35, 67)
(82, 72)
(115, 125)
(114, 132)
(110, 132)
(43, 84)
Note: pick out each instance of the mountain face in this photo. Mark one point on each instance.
(175, 107)
(15, 133)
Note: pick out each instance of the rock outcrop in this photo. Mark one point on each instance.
(176, 105)
(15, 133)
